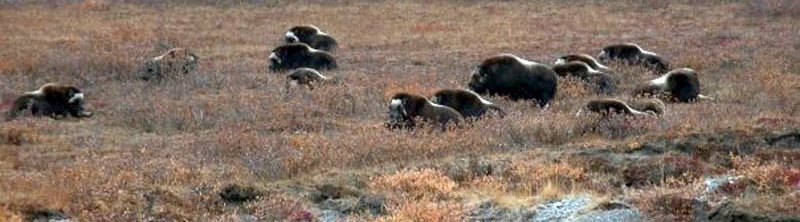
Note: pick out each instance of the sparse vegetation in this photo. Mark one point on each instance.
(165, 150)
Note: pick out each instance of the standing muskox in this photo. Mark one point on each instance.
(469, 104)
(299, 55)
(679, 84)
(53, 100)
(634, 54)
(517, 78)
(312, 36)
(173, 62)
(406, 108)
(602, 82)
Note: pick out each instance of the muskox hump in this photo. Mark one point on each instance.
(516, 78)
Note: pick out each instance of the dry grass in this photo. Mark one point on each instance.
(174, 144)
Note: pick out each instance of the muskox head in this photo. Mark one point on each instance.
(478, 82)
(403, 108)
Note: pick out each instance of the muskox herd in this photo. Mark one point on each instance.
(306, 50)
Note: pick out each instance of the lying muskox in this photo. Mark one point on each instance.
(606, 107)
(312, 36)
(469, 104)
(177, 61)
(600, 82)
(406, 109)
(589, 60)
(679, 84)
(308, 77)
(299, 55)
(633, 54)
(517, 78)
(53, 100)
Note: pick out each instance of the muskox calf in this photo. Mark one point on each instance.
(589, 60)
(312, 36)
(517, 78)
(308, 77)
(299, 55)
(53, 100)
(634, 54)
(679, 84)
(177, 61)
(469, 104)
(406, 108)
(601, 82)
(615, 107)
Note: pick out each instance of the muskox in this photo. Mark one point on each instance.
(405, 109)
(176, 61)
(679, 84)
(312, 36)
(299, 55)
(589, 60)
(633, 54)
(516, 78)
(469, 104)
(53, 100)
(308, 77)
(607, 107)
(601, 82)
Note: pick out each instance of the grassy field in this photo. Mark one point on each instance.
(163, 151)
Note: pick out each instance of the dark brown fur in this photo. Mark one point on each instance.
(53, 100)
(614, 106)
(602, 82)
(679, 84)
(312, 36)
(299, 55)
(585, 58)
(633, 54)
(509, 75)
(406, 108)
(469, 104)
(308, 77)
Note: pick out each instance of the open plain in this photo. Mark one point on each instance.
(231, 143)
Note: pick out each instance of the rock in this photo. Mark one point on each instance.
(560, 210)
(235, 193)
(573, 209)
(42, 215)
(715, 184)
(617, 215)
(367, 203)
(373, 204)
(330, 191)
(728, 213)
(789, 139)
(489, 211)
(345, 206)
(331, 216)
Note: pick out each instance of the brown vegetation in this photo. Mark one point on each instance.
(164, 150)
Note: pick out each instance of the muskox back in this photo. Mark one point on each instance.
(467, 103)
(509, 75)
